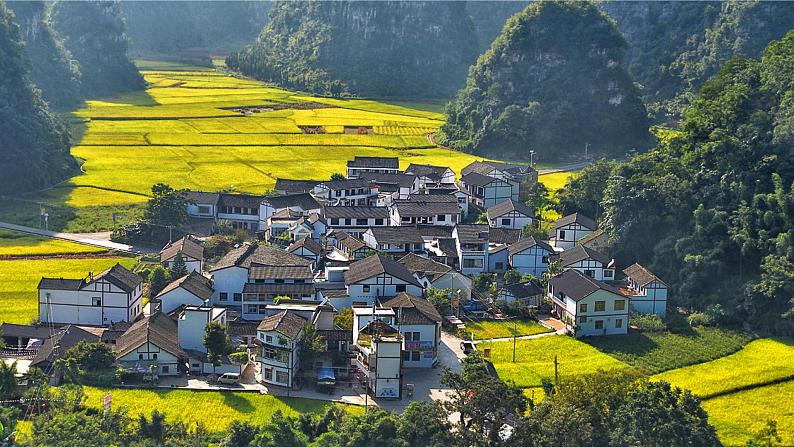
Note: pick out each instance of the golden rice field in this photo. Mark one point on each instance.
(16, 244)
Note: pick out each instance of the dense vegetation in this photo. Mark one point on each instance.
(34, 148)
(711, 210)
(93, 31)
(51, 67)
(489, 18)
(376, 49)
(539, 87)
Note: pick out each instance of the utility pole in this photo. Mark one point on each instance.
(515, 331)
(170, 239)
(532, 158)
(556, 372)
(586, 146)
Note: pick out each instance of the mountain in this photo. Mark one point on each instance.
(554, 82)
(489, 17)
(366, 48)
(93, 31)
(51, 67)
(34, 147)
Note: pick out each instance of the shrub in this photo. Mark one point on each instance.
(648, 323)
(700, 319)
(239, 358)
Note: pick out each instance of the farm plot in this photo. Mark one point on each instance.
(19, 278)
(483, 330)
(760, 362)
(13, 243)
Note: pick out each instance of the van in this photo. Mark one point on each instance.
(229, 378)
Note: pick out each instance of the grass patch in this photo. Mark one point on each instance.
(500, 329)
(761, 361)
(535, 359)
(14, 243)
(656, 352)
(19, 278)
(182, 405)
(556, 180)
(738, 416)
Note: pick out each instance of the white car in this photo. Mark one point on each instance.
(229, 378)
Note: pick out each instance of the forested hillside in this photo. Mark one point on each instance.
(93, 31)
(489, 17)
(191, 29)
(711, 210)
(51, 68)
(376, 49)
(34, 148)
(539, 87)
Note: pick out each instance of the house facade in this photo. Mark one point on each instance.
(648, 293)
(419, 323)
(588, 261)
(377, 278)
(570, 229)
(192, 289)
(488, 191)
(509, 214)
(386, 165)
(587, 306)
(471, 241)
(151, 345)
(278, 348)
(530, 256)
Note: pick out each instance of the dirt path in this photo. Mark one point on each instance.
(85, 239)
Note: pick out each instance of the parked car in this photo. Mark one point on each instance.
(229, 379)
(467, 347)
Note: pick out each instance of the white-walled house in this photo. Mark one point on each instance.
(151, 343)
(303, 204)
(518, 172)
(530, 256)
(509, 214)
(403, 184)
(588, 261)
(203, 204)
(278, 348)
(432, 274)
(191, 250)
(379, 356)
(587, 306)
(192, 289)
(387, 165)
(355, 220)
(345, 192)
(307, 248)
(378, 277)
(430, 174)
(488, 191)
(241, 210)
(112, 296)
(570, 229)
(419, 324)
(527, 294)
(648, 293)
(192, 322)
(425, 209)
(395, 240)
(472, 245)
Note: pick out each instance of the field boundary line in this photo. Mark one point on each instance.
(748, 387)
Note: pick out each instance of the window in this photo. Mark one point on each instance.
(165, 369)
(582, 320)
(441, 218)
(416, 356)
(251, 308)
(140, 356)
(500, 266)
(400, 288)
(406, 356)
(365, 288)
(562, 234)
(203, 209)
(599, 324)
(362, 222)
(224, 296)
(378, 221)
(583, 307)
(269, 338)
(282, 377)
(334, 221)
(154, 356)
(196, 365)
(608, 273)
(545, 260)
(505, 221)
(417, 336)
(472, 263)
(600, 306)
(238, 296)
(618, 323)
(620, 304)
(269, 373)
(96, 301)
(590, 273)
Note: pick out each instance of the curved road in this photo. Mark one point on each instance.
(100, 240)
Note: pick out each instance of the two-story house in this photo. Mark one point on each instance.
(488, 191)
(432, 175)
(355, 220)
(278, 348)
(419, 323)
(425, 209)
(587, 306)
(203, 205)
(530, 256)
(192, 289)
(471, 241)
(387, 165)
(378, 277)
(303, 204)
(460, 194)
(394, 240)
(509, 214)
(346, 192)
(307, 248)
(406, 184)
(570, 229)
(588, 261)
(648, 293)
(267, 282)
(285, 186)
(432, 274)
(191, 250)
(240, 210)
(351, 247)
(520, 173)
(151, 345)
(112, 296)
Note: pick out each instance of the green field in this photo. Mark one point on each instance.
(761, 361)
(656, 352)
(738, 416)
(483, 330)
(535, 359)
(13, 243)
(556, 180)
(213, 409)
(19, 278)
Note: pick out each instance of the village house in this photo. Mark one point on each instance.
(347, 192)
(432, 175)
(378, 277)
(151, 345)
(406, 184)
(203, 205)
(530, 256)
(527, 294)
(461, 195)
(288, 225)
(286, 186)
(504, 171)
(498, 259)
(432, 274)
(587, 306)
(387, 165)
(278, 348)
(598, 240)
(299, 204)
(53, 347)
(266, 282)
(191, 250)
(192, 289)
(355, 220)
(648, 293)
(378, 347)
(419, 323)
(588, 261)
(425, 209)
(395, 240)
(307, 248)
(487, 191)
(112, 296)
(351, 247)
(191, 328)
(509, 214)
(570, 229)
(472, 247)
(240, 210)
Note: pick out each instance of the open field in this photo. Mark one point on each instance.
(219, 408)
(760, 362)
(656, 352)
(738, 416)
(13, 243)
(556, 180)
(535, 359)
(499, 329)
(19, 278)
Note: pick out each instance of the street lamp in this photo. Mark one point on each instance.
(531, 158)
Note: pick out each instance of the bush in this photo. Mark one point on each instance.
(648, 323)
(700, 319)
(239, 358)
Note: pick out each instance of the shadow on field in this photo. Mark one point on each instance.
(237, 402)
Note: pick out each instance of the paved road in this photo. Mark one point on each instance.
(566, 168)
(93, 239)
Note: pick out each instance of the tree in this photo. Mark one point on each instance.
(344, 319)
(280, 432)
(158, 281)
(154, 429)
(537, 197)
(217, 343)
(337, 176)
(311, 344)
(483, 281)
(178, 267)
(239, 358)
(441, 299)
(584, 192)
(9, 389)
(239, 434)
(425, 424)
(91, 356)
(512, 276)
(167, 207)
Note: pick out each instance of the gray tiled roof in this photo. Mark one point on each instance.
(640, 274)
(519, 290)
(579, 218)
(506, 206)
(60, 284)
(121, 277)
(473, 233)
(580, 253)
(477, 179)
(346, 183)
(413, 310)
(246, 255)
(187, 245)
(286, 323)
(376, 265)
(529, 243)
(202, 198)
(374, 162)
(303, 201)
(430, 171)
(157, 329)
(504, 235)
(419, 264)
(356, 212)
(54, 347)
(416, 206)
(279, 289)
(279, 272)
(295, 186)
(404, 180)
(577, 285)
(307, 243)
(194, 283)
(240, 200)
(397, 235)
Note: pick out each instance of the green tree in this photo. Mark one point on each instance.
(311, 345)
(167, 206)
(217, 343)
(425, 424)
(584, 192)
(178, 267)
(337, 176)
(91, 356)
(280, 432)
(344, 319)
(154, 428)
(9, 389)
(239, 434)
(512, 276)
(157, 281)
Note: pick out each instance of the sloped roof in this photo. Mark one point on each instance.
(529, 243)
(246, 255)
(579, 218)
(285, 322)
(157, 329)
(240, 200)
(404, 180)
(121, 277)
(193, 282)
(418, 206)
(356, 212)
(54, 347)
(202, 198)
(504, 235)
(526, 290)
(577, 285)
(473, 233)
(580, 253)
(477, 179)
(280, 288)
(349, 241)
(374, 162)
(279, 272)
(396, 235)
(60, 284)
(430, 171)
(506, 206)
(307, 243)
(484, 167)
(640, 274)
(414, 310)
(346, 183)
(24, 331)
(303, 201)
(295, 186)
(376, 265)
(187, 245)
(425, 266)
